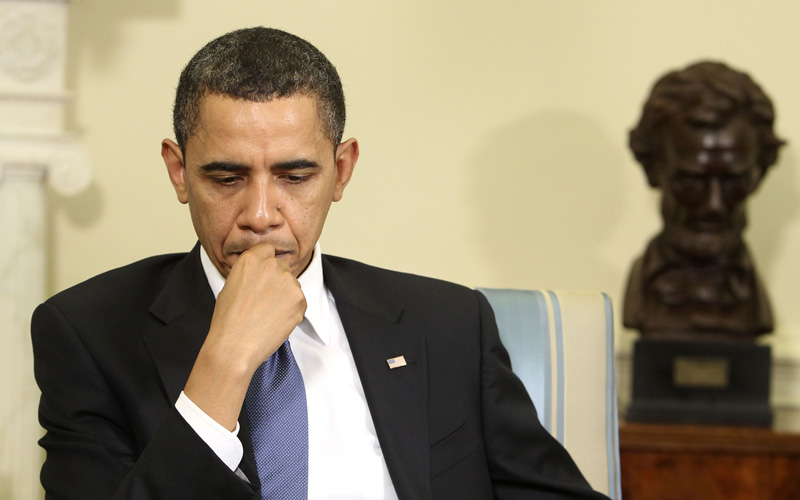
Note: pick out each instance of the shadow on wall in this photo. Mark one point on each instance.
(94, 31)
(542, 211)
(772, 209)
(95, 25)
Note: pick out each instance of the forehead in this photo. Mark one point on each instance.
(257, 133)
(737, 133)
(223, 114)
(697, 147)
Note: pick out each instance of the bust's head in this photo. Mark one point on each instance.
(706, 139)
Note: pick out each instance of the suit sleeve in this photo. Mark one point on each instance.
(525, 461)
(92, 450)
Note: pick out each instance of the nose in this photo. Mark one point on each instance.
(715, 202)
(260, 207)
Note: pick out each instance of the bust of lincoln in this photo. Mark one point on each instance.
(706, 140)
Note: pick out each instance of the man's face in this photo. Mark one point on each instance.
(259, 172)
(706, 176)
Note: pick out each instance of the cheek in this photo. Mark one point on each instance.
(308, 218)
(213, 221)
(672, 207)
(304, 219)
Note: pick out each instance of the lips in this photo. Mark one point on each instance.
(708, 226)
(278, 253)
(240, 249)
(708, 223)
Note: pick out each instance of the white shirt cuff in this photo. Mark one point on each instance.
(223, 442)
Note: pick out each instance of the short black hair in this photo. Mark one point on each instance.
(259, 64)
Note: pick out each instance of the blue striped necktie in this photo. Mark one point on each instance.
(278, 417)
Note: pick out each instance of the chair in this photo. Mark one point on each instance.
(561, 345)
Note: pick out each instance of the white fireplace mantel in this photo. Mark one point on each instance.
(34, 152)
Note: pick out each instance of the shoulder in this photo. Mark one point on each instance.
(351, 277)
(128, 284)
(109, 312)
(358, 270)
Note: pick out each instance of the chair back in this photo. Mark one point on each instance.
(561, 345)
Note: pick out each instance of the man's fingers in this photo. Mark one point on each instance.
(264, 250)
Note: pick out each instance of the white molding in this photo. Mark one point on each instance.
(32, 46)
(62, 97)
(34, 150)
(28, 44)
(39, 1)
(65, 161)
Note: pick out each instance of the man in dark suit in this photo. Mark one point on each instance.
(145, 370)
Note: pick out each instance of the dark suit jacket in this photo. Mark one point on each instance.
(112, 355)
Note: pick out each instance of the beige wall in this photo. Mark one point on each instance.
(493, 134)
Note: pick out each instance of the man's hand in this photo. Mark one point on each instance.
(259, 306)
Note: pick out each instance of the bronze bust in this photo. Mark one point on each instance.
(706, 140)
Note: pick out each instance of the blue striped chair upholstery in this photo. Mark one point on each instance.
(561, 345)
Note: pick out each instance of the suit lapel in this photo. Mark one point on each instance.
(397, 398)
(185, 306)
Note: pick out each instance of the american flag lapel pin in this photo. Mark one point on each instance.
(396, 362)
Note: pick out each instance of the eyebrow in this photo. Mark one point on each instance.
(297, 164)
(225, 166)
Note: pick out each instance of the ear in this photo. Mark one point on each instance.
(346, 158)
(173, 159)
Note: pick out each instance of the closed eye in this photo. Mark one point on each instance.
(296, 171)
(295, 179)
(224, 173)
(226, 181)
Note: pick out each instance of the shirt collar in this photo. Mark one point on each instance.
(214, 277)
(311, 281)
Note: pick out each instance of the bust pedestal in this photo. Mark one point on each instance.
(701, 382)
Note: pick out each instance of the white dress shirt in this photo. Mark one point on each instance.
(345, 458)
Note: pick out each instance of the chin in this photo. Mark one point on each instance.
(704, 245)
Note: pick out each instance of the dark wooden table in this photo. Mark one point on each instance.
(671, 462)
